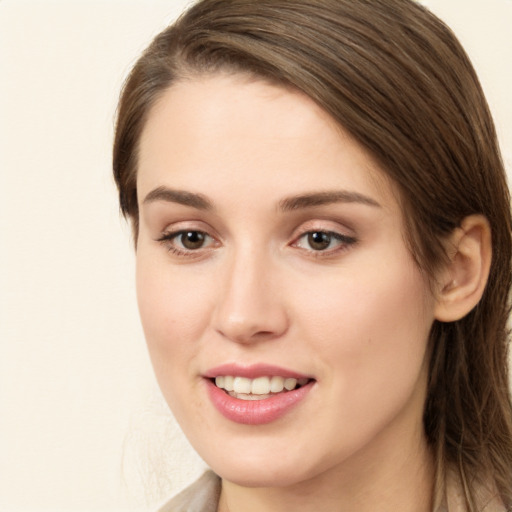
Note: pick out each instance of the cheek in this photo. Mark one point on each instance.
(373, 330)
(368, 338)
(174, 311)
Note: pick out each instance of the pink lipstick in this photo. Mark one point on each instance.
(255, 394)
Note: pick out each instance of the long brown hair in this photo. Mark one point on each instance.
(397, 79)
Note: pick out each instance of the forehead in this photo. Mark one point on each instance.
(213, 130)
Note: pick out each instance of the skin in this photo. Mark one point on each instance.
(354, 316)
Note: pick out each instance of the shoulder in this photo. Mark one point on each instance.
(201, 496)
(485, 493)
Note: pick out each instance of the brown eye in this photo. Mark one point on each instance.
(328, 242)
(192, 239)
(319, 240)
(187, 242)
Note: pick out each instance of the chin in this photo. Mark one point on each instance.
(262, 466)
(246, 475)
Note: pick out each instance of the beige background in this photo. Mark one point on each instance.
(82, 426)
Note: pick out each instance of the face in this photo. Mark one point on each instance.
(271, 255)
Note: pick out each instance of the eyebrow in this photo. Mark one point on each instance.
(324, 198)
(298, 202)
(178, 196)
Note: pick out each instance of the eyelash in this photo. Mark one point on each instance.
(344, 242)
(168, 239)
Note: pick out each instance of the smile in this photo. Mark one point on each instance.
(260, 388)
(256, 394)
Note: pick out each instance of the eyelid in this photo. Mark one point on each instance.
(172, 235)
(344, 236)
(326, 225)
(168, 236)
(342, 239)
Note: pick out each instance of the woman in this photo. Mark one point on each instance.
(322, 229)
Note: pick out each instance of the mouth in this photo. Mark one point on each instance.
(259, 388)
(256, 394)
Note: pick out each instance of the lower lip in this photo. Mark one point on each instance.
(256, 412)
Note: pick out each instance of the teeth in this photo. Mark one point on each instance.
(260, 386)
(276, 384)
(290, 384)
(242, 385)
(228, 383)
(257, 389)
(243, 396)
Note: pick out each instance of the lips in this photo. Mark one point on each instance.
(252, 371)
(256, 394)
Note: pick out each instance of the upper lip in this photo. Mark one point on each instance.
(253, 371)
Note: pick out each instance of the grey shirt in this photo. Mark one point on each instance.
(202, 496)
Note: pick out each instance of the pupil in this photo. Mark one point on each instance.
(192, 239)
(319, 240)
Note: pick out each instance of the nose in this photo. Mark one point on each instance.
(250, 306)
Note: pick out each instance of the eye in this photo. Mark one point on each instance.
(323, 241)
(191, 240)
(319, 240)
(186, 240)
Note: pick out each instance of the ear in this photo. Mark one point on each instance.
(461, 283)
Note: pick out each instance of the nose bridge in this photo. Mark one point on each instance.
(250, 306)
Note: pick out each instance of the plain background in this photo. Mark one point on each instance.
(82, 424)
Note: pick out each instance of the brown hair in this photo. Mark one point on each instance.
(397, 79)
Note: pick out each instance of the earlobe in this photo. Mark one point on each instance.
(462, 282)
